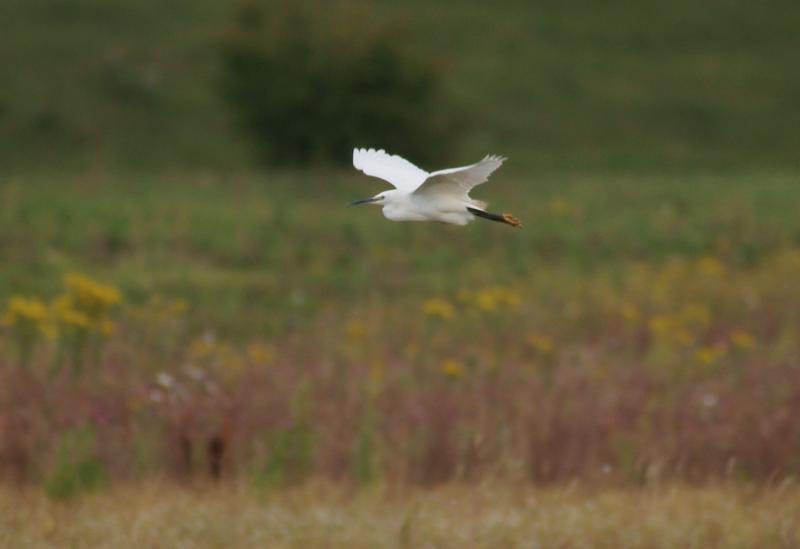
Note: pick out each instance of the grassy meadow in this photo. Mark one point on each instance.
(197, 349)
(636, 329)
(355, 382)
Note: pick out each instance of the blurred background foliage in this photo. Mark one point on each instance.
(183, 289)
(110, 84)
(308, 81)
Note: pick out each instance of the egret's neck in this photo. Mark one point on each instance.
(399, 206)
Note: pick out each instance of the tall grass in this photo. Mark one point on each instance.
(624, 345)
(321, 515)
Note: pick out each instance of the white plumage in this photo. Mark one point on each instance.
(421, 196)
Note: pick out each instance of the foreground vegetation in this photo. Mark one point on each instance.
(162, 515)
(635, 330)
(622, 372)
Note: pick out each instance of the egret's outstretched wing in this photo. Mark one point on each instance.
(459, 181)
(398, 171)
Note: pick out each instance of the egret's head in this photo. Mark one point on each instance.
(379, 199)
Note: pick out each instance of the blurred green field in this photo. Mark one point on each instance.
(243, 248)
(170, 311)
(637, 329)
(126, 85)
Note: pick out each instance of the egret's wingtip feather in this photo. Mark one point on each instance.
(392, 168)
(494, 158)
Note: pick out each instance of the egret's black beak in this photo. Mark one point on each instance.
(365, 201)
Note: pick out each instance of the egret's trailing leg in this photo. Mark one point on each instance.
(506, 218)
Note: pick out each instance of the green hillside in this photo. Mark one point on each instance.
(134, 83)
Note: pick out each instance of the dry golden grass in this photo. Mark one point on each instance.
(321, 515)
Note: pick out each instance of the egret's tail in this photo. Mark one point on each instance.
(506, 218)
(478, 204)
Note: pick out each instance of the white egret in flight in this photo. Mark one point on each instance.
(421, 196)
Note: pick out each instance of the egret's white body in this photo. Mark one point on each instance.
(421, 196)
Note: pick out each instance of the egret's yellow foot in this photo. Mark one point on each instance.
(511, 220)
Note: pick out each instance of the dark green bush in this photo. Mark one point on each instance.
(309, 83)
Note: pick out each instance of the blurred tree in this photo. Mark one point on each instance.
(310, 82)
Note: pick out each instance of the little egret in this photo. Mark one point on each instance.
(421, 196)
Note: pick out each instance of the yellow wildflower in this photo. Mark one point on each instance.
(107, 327)
(261, 353)
(438, 308)
(202, 347)
(29, 314)
(696, 314)
(709, 355)
(465, 296)
(86, 304)
(661, 324)
(375, 378)
(355, 329)
(411, 351)
(71, 317)
(179, 306)
(23, 309)
(742, 339)
(541, 343)
(684, 337)
(629, 312)
(452, 368)
(489, 299)
(679, 327)
(91, 295)
(508, 297)
(486, 300)
(710, 266)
